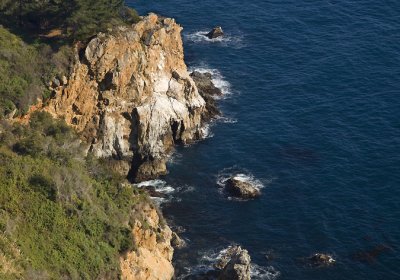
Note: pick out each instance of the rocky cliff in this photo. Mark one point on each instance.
(152, 257)
(130, 96)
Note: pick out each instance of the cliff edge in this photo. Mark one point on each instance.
(152, 257)
(130, 96)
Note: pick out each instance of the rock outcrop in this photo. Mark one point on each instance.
(152, 257)
(209, 92)
(177, 242)
(234, 264)
(241, 188)
(215, 33)
(320, 259)
(130, 96)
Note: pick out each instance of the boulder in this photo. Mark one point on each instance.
(234, 264)
(177, 242)
(320, 259)
(55, 82)
(64, 80)
(240, 188)
(215, 33)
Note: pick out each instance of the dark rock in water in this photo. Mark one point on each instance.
(240, 188)
(234, 264)
(151, 190)
(177, 229)
(208, 91)
(177, 242)
(205, 84)
(215, 33)
(319, 259)
(270, 255)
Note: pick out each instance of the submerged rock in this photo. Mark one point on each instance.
(238, 187)
(215, 33)
(234, 264)
(370, 256)
(320, 259)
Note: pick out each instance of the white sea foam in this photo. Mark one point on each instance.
(238, 174)
(210, 257)
(175, 158)
(228, 120)
(228, 40)
(206, 131)
(159, 185)
(217, 78)
(185, 189)
(263, 273)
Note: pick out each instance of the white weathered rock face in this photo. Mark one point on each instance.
(131, 97)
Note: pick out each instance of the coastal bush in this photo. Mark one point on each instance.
(63, 217)
(24, 71)
(74, 19)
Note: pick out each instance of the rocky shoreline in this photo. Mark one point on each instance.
(131, 98)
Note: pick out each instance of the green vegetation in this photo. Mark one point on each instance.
(24, 71)
(77, 19)
(36, 39)
(61, 215)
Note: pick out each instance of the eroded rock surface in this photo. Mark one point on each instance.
(241, 188)
(234, 264)
(152, 257)
(215, 33)
(130, 95)
(209, 92)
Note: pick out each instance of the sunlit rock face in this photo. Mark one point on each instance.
(130, 96)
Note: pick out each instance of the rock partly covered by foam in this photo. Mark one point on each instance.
(234, 264)
(152, 257)
(130, 96)
(241, 188)
(215, 33)
(320, 259)
(208, 91)
(177, 242)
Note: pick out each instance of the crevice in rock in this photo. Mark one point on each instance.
(107, 82)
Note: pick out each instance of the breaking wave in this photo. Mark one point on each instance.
(238, 174)
(217, 78)
(210, 257)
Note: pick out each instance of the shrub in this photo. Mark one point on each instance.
(68, 222)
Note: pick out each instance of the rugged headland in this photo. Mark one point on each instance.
(131, 97)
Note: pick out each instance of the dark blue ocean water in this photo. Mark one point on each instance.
(313, 112)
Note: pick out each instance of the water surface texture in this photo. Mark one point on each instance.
(312, 111)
